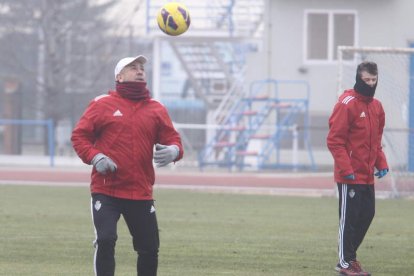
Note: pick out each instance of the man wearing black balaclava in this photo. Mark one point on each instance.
(354, 139)
(366, 79)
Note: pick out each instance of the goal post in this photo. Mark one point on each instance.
(395, 90)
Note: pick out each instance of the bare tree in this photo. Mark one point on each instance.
(46, 41)
(52, 47)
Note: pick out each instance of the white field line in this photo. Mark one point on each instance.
(214, 189)
(201, 188)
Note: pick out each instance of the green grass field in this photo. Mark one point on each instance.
(48, 231)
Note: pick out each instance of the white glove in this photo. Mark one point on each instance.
(165, 154)
(103, 163)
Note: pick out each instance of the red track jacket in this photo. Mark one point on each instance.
(126, 131)
(354, 139)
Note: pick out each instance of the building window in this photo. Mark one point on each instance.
(325, 31)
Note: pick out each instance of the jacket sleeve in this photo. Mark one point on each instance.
(381, 161)
(84, 134)
(167, 134)
(339, 124)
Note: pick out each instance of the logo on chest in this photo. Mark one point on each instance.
(362, 115)
(117, 113)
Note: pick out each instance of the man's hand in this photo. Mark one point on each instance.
(165, 154)
(350, 176)
(103, 164)
(381, 173)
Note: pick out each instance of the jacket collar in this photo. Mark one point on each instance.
(361, 97)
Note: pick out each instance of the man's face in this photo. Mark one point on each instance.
(132, 72)
(369, 79)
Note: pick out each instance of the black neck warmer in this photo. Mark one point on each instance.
(364, 89)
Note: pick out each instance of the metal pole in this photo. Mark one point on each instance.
(411, 116)
(268, 36)
(51, 138)
(340, 71)
(295, 159)
(156, 69)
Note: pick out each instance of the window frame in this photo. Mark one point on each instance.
(331, 51)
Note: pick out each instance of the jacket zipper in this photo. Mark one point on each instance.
(370, 139)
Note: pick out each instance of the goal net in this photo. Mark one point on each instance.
(395, 90)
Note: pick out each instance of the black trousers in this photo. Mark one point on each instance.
(356, 211)
(141, 220)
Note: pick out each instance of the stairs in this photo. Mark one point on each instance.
(213, 51)
(212, 69)
(213, 54)
(266, 116)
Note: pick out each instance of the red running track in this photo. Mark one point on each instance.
(247, 182)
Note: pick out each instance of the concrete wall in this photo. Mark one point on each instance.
(384, 23)
(379, 23)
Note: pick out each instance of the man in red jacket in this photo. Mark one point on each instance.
(117, 134)
(354, 139)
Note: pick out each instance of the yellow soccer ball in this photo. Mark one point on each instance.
(173, 19)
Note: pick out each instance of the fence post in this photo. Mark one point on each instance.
(411, 116)
(51, 139)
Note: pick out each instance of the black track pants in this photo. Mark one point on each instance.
(356, 211)
(141, 220)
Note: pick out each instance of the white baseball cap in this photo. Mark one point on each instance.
(125, 61)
